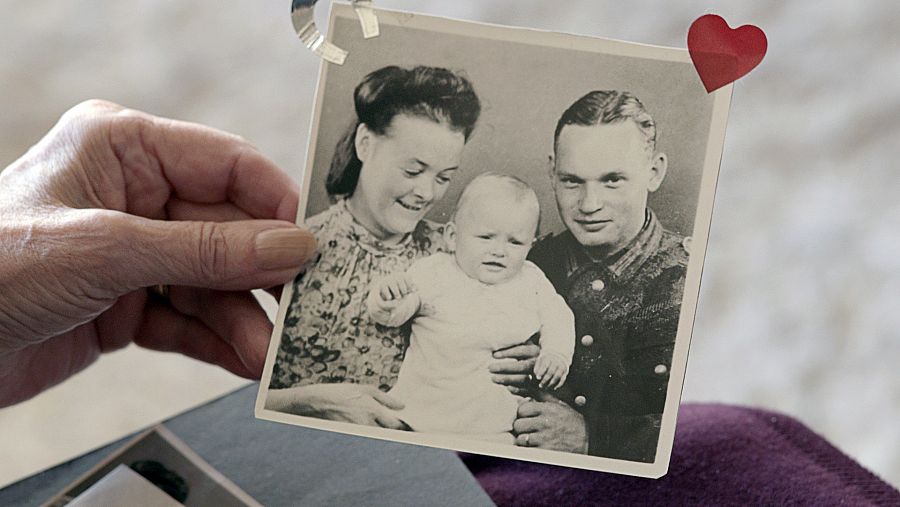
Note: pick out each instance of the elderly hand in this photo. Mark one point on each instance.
(550, 424)
(353, 403)
(113, 201)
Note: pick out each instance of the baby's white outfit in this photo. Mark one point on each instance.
(457, 324)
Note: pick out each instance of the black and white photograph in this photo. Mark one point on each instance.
(511, 227)
(155, 469)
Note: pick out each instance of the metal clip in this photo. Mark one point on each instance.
(305, 25)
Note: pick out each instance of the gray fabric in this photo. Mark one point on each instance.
(279, 464)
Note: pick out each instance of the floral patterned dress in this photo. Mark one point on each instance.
(328, 336)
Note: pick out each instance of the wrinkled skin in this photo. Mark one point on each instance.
(113, 201)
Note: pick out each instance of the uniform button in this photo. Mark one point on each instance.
(598, 285)
(660, 369)
(587, 340)
(580, 400)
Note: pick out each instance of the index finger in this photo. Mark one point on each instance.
(200, 164)
(523, 351)
(529, 409)
(511, 366)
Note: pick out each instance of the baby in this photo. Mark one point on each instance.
(467, 304)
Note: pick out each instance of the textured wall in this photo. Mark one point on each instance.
(798, 309)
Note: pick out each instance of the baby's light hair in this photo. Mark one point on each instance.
(493, 185)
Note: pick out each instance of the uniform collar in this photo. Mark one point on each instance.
(627, 261)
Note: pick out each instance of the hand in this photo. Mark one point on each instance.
(353, 403)
(113, 201)
(514, 365)
(390, 291)
(393, 300)
(551, 370)
(550, 424)
(395, 287)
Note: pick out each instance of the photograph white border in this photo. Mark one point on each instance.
(709, 175)
(179, 446)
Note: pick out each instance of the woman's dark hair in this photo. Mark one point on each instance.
(440, 95)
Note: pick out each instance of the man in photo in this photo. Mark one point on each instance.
(621, 272)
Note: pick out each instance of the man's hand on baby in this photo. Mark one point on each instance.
(551, 370)
(512, 367)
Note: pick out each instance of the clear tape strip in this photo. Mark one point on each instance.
(302, 16)
(367, 18)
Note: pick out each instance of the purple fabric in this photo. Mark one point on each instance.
(723, 455)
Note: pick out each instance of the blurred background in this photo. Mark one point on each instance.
(799, 303)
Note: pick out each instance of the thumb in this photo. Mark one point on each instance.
(238, 255)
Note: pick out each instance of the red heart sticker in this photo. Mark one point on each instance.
(722, 54)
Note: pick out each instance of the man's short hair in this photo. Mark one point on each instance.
(602, 107)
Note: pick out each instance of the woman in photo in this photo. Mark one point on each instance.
(390, 168)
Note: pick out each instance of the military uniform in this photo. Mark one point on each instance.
(626, 317)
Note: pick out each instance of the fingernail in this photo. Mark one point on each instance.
(283, 248)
